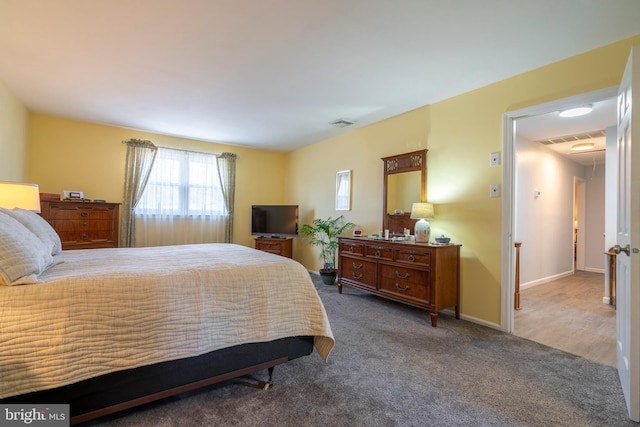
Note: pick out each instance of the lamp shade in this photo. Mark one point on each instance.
(20, 195)
(422, 211)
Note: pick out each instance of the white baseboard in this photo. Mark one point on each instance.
(545, 280)
(472, 319)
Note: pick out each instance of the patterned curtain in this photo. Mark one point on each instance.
(227, 176)
(139, 161)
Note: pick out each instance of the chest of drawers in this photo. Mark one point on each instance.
(83, 225)
(417, 274)
(282, 247)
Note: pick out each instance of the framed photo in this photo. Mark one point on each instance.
(343, 191)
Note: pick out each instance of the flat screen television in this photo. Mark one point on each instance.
(274, 220)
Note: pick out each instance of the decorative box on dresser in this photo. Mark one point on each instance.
(418, 274)
(274, 245)
(83, 225)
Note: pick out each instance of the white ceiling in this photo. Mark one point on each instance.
(552, 128)
(273, 73)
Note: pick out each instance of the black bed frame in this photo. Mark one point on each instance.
(117, 391)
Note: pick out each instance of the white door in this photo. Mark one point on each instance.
(628, 237)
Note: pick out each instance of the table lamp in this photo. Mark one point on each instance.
(422, 211)
(20, 195)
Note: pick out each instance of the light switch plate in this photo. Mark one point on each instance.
(494, 159)
(494, 190)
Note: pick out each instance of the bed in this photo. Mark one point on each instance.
(108, 329)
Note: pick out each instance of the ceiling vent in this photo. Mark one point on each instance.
(341, 123)
(573, 138)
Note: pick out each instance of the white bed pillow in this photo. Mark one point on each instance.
(23, 256)
(38, 226)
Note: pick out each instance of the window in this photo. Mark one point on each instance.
(183, 183)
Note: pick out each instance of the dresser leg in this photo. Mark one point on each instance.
(434, 319)
(339, 287)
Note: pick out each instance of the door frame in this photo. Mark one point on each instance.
(579, 194)
(508, 195)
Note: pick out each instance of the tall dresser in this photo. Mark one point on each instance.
(83, 225)
(417, 274)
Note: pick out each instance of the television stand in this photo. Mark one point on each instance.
(282, 246)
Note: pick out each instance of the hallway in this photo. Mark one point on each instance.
(568, 314)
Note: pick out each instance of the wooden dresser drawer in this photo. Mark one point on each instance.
(62, 213)
(94, 238)
(379, 251)
(282, 247)
(358, 270)
(352, 248)
(268, 246)
(414, 256)
(405, 282)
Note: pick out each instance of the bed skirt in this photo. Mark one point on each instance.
(121, 390)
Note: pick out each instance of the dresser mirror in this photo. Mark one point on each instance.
(405, 182)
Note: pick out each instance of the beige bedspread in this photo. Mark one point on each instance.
(105, 310)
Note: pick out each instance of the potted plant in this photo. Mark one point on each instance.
(324, 234)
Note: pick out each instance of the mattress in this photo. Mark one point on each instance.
(106, 310)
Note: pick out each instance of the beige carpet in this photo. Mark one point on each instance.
(391, 368)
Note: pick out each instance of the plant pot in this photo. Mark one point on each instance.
(328, 276)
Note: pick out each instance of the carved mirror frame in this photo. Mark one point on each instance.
(401, 163)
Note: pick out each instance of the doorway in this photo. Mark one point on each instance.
(510, 200)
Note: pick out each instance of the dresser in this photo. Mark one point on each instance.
(282, 247)
(418, 274)
(83, 225)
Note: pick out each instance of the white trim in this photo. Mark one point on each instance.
(544, 280)
(580, 254)
(508, 183)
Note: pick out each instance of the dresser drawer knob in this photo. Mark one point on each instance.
(412, 258)
(84, 236)
(84, 214)
(84, 224)
(406, 288)
(377, 253)
(357, 276)
(357, 267)
(351, 249)
(400, 276)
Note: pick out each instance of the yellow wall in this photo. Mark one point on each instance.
(72, 155)
(460, 133)
(13, 136)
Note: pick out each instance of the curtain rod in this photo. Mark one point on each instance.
(199, 152)
(188, 151)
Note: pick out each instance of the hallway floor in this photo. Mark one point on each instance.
(568, 314)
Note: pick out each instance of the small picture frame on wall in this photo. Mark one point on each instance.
(343, 190)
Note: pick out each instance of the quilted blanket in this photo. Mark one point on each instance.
(104, 310)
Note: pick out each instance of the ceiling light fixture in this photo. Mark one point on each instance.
(583, 147)
(575, 112)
